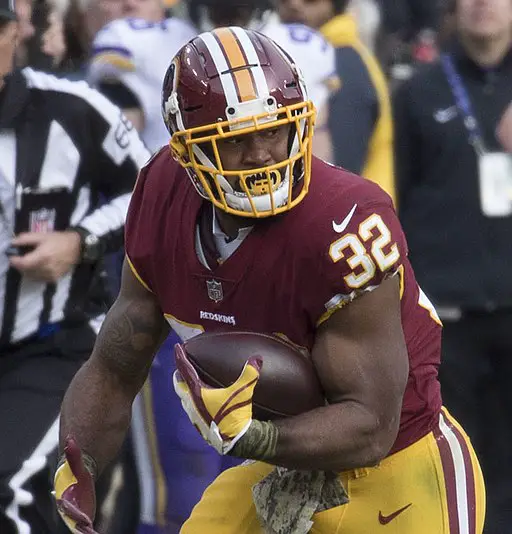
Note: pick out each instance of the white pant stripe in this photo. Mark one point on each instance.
(34, 464)
(460, 475)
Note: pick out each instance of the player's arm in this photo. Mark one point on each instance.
(362, 362)
(113, 69)
(96, 409)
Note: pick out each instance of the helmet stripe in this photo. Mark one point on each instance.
(237, 62)
(253, 60)
(219, 60)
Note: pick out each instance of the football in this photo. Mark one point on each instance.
(288, 383)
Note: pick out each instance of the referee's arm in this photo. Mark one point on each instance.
(119, 154)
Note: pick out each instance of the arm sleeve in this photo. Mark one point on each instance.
(119, 94)
(323, 78)
(353, 110)
(118, 154)
(144, 209)
(114, 61)
(370, 249)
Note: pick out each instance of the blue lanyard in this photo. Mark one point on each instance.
(463, 103)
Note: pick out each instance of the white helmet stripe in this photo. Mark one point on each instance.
(252, 59)
(221, 65)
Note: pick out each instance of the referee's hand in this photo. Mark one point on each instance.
(74, 491)
(53, 255)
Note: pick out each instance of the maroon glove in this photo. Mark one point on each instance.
(74, 491)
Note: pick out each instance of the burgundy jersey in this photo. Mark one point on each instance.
(289, 274)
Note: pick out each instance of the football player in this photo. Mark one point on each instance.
(308, 48)
(240, 227)
(125, 67)
(179, 469)
(127, 64)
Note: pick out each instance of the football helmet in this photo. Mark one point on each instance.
(228, 83)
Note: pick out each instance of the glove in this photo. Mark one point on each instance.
(74, 491)
(222, 415)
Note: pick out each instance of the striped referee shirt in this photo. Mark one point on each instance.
(55, 133)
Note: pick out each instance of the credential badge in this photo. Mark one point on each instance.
(215, 290)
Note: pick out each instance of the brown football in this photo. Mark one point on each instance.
(288, 383)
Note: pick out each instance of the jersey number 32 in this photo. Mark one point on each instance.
(364, 263)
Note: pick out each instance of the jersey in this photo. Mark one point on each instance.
(137, 53)
(314, 56)
(345, 231)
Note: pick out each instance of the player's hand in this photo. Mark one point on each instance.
(222, 415)
(74, 491)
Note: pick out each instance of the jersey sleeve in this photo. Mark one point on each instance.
(363, 248)
(112, 52)
(316, 59)
(140, 232)
(115, 58)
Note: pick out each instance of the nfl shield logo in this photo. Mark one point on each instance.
(42, 221)
(214, 290)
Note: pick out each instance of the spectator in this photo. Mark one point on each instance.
(46, 48)
(125, 68)
(359, 113)
(62, 146)
(455, 205)
(309, 49)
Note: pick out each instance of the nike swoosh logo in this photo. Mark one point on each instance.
(338, 228)
(385, 519)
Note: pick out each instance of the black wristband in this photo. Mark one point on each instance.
(91, 247)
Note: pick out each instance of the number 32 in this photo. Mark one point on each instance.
(360, 260)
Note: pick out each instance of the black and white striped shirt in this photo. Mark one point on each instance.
(56, 133)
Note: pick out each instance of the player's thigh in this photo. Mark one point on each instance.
(435, 485)
(227, 506)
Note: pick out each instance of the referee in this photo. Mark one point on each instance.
(68, 162)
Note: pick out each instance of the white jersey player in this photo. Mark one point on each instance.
(313, 55)
(310, 51)
(133, 54)
(128, 64)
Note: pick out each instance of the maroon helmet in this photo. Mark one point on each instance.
(231, 82)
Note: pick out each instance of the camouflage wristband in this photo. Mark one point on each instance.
(258, 443)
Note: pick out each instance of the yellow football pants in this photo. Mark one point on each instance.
(434, 486)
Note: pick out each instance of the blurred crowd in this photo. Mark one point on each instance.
(419, 101)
